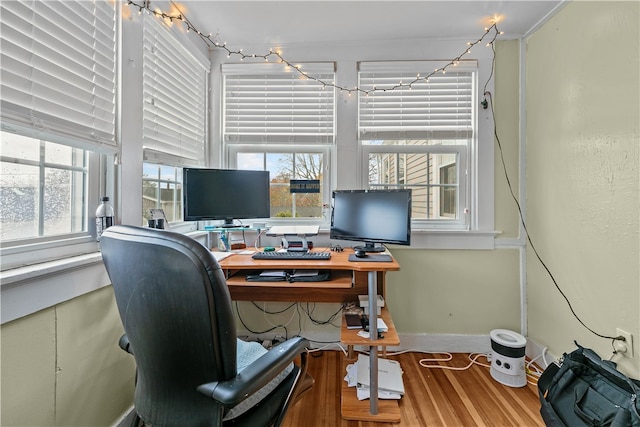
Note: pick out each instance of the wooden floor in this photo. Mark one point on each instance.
(434, 397)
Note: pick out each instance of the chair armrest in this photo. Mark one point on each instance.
(256, 375)
(124, 343)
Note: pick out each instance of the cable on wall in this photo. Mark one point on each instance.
(526, 230)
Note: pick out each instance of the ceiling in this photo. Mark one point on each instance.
(248, 23)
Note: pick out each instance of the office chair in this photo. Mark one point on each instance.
(179, 326)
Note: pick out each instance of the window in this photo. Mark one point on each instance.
(283, 167)
(275, 119)
(58, 119)
(174, 118)
(162, 189)
(43, 188)
(420, 136)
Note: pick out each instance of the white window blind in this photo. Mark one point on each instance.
(58, 71)
(439, 108)
(175, 97)
(274, 103)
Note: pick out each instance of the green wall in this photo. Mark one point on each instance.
(582, 151)
(62, 366)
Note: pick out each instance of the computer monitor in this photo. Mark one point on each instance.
(225, 194)
(371, 216)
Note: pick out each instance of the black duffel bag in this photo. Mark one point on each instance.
(585, 390)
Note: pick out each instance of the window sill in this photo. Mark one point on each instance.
(453, 239)
(26, 290)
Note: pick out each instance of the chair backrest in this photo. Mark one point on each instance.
(176, 311)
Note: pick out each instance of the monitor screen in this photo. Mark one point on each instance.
(225, 194)
(371, 216)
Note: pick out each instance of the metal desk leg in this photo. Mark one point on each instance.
(373, 350)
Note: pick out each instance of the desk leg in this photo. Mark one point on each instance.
(373, 350)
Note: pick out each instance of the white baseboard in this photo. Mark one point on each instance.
(539, 354)
(447, 343)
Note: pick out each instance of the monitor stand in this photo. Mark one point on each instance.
(304, 246)
(228, 223)
(370, 247)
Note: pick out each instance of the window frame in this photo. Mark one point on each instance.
(467, 176)
(463, 199)
(34, 250)
(159, 180)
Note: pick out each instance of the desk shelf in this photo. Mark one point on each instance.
(348, 280)
(351, 337)
(352, 408)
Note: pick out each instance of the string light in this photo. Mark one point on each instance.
(276, 56)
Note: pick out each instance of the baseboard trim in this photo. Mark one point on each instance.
(125, 418)
(539, 354)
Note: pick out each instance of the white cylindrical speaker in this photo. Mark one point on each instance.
(507, 358)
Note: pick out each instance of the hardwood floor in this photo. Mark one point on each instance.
(434, 397)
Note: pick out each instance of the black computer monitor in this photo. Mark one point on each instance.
(371, 216)
(225, 194)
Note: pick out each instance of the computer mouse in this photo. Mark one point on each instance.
(360, 253)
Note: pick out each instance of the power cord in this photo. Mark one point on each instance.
(473, 357)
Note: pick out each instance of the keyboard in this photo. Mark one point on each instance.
(307, 256)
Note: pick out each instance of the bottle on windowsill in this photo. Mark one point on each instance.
(104, 217)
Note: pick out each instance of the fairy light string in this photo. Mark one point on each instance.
(490, 33)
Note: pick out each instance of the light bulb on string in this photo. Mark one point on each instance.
(278, 54)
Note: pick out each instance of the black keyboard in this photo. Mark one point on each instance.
(311, 256)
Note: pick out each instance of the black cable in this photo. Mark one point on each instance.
(256, 332)
(322, 322)
(526, 231)
(264, 310)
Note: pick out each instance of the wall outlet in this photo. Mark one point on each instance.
(627, 343)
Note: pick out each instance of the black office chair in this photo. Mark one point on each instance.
(179, 325)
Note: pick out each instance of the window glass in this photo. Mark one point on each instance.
(162, 189)
(43, 188)
(432, 175)
(284, 167)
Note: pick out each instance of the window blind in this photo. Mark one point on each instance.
(58, 72)
(273, 103)
(175, 96)
(440, 108)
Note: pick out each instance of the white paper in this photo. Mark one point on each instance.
(273, 273)
(221, 255)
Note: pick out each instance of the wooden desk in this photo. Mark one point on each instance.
(348, 280)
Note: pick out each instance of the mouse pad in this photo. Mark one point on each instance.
(371, 258)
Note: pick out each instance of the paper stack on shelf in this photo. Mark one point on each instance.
(364, 303)
(390, 384)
